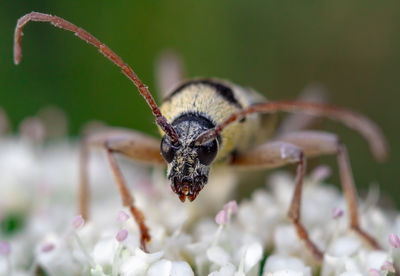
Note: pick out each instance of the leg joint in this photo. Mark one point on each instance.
(107, 146)
(291, 153)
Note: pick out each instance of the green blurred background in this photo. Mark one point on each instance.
(276, 47)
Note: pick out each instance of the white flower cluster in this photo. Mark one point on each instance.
(42, 234)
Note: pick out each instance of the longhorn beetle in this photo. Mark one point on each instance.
(205, 121)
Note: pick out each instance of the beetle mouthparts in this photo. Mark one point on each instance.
(182, 197)
(186, 189)
(191, 197)
(184, 192)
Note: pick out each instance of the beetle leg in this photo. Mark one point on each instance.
(294, 148)
(276, 154)
(370, 131)
(134, 145)
(316, 143)
(315, 93)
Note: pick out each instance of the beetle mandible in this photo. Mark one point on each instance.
(205, 121)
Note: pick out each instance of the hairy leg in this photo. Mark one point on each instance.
(315, 93)
(276, 154)
(134, 145)
(294, 148)
(316, 143)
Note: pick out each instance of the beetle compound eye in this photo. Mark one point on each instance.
(167, 149)
(207, 152)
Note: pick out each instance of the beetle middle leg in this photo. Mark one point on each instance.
(134, 145)
(294, 148)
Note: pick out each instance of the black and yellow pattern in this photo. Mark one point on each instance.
(215, 100)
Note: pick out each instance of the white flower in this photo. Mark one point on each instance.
(97, 271)
(285, 272)
(226, 270)
(218, 256)
(181, 269)
(160, 268)
(285, 265)
(38, 187)
(252, 255)
(104, 250)
(139, 262)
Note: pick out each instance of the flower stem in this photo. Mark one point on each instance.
(115, 265)
(83, 248)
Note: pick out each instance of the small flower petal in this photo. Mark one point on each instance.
(160, 268)
(388, 266)
(97, 271)
(373, 272)
(228, 269)
(286, 272)
(285, 265)
(78, 222)
(122, 216)
(253, 255)
(122, 235)
(180, 268)
(47, 247)
(337, 213)
(217, 255)
(321, 173)
(231, 207)
(345, 246)
(104, 251)
(5, 248)
(221, 217)
(394, 240)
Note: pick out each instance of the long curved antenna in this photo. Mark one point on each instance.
(107, 52)
(351, 119)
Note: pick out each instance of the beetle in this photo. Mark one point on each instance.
(208, 121)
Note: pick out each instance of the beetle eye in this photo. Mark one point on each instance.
(207, 152)
(167, 149)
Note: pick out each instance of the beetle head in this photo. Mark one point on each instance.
(189, 163)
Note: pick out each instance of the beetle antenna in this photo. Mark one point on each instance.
(105, 50)
(369, 130)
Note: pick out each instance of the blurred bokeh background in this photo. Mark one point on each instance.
(352, 48)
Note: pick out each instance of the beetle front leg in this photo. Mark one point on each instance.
(134, 145)
(127, 199)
